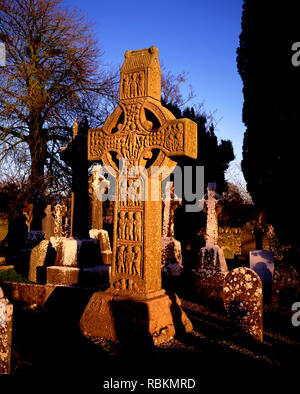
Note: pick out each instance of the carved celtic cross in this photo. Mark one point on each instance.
(145, 135)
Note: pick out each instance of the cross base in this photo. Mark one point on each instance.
(71, 276)
(210, 274)
(152, 317)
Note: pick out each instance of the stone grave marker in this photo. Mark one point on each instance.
(98, 185)
(243, 301)
(59, 211)
(139, 129)
(48, 222)
(77, 262)
(41, 255)
(171, 248)
(6, 315)
(262, 262)
(211, 264)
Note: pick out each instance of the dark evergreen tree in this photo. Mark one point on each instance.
(215, 156)
(271, 110)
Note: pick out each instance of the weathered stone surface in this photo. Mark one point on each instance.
(243, 301)
(210, 273)
(102, 236)
(48, 223)
(120, 316)
(285, 285)
(41, 255)
(6, 315)
(29, 293)
(59, 211)
(171, 256)
(106, 252)
(262, 262)
(139, 125)
(229, 239)
(211, 264)
(70, 276)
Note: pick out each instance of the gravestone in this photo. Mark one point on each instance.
(74, 154)
(170, 247)
(243, 301)
(59, 211)
(211, 264)
(98, 185)
(6, 315)
(48, 222)
(139, 129)
(41, 255)
(262, 262)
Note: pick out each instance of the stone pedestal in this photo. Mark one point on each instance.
(117, 315)
(136, 305)
(210, 273)
(70, 276)
(6, 314)
(77, 262)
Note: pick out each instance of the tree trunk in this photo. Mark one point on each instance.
(38, 154)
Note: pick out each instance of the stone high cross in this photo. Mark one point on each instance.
(138, 130)
(170, 203)
(212, 221)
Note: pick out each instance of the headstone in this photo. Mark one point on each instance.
(135, 302)
(106, 252)
(243, 301)
(6, 315)
(98, 185)
(211, 264)
(59, 212)
(48, 222)
(74, 154)
(262, 262)
(41, 255)
(170, 248)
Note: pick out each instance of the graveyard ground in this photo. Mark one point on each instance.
(47, 343)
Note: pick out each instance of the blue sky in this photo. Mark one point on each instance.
(199, 37)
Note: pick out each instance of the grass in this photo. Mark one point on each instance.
(12, 276)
